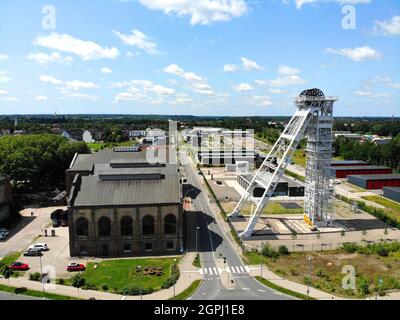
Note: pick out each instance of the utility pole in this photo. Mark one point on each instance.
(174, 279)
(41, 273)
(140, 282)
(197, 231)
(309, 275)
(261, 259)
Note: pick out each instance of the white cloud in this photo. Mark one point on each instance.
(3, 57)
(3, 92)
(138, 39)
(249, 65)
(8, 98)
(197, 83)
(243, 87)
(4, 77)
(287, 81)
(288, 71)
(41, 98)
(81, 96)
(230, 68)
(200, 11)
(276, 91)
(106, 70)
(389, 27)
(259, 100)
(300, 3)
(356, 54)
(78, 85)
(44, 58)
(87, 50)
(386, 82)
(50, 79)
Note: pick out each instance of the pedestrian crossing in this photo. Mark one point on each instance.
(211, 271)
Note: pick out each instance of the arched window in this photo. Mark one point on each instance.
(148, 225)
(169, 224)
(104, 225)
(82, 227)
(126, 226)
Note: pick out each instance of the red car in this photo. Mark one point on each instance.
(19, 266)
(76, 267)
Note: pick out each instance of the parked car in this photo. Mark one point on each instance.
(33, 253)
(74, 266)
(56, 223)
(64, 223)
(56, 214)
(3, 236)
(19, 266)
(3, 233)
(39, 246)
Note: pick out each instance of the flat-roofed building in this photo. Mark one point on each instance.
(375, 181)
(122, 205)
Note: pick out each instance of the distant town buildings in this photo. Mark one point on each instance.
(217, 146)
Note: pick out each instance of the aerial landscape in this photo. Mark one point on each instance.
(215, 152)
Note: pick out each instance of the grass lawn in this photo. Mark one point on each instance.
(273, 207)
(392, 208)
(119, 274)
(326, 270)
(281, 289)
(34, 293)
(189, 291)
(10, 258)
(299, 158)
(97, 146)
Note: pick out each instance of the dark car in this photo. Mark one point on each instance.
(19, 266)
(64, 223)
(33, 253)
(56, 223)
(74, 266)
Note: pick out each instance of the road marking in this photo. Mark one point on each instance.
(246, 289)
(215, 270)
(123, 297)
(261, 290)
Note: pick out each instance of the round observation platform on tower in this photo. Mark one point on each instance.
(312, 93)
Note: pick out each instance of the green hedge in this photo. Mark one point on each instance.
(381, 214)
(283, 290)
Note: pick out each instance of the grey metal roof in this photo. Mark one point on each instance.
(338, 162)
(85, 162)
(95, 192)
(376, 177)
(395, 189)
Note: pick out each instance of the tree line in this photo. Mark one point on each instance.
(386, 154)
(37, 161)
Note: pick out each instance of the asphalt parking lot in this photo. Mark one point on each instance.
(29, 228)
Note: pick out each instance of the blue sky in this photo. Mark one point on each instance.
(199, 57)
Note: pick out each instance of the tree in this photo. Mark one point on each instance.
(78, 281)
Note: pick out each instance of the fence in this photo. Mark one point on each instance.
(296, 246)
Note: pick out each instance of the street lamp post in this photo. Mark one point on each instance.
(140, 282)
(197, 231)
(174, 279)
(261, 259)
(309, 275)
(380, 281)
(41, 273)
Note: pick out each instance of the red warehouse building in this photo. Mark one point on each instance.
(375, 181)
(343, 172)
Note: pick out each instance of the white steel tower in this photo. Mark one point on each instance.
(313, 120)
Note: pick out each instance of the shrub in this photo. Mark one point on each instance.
(34, 276)
(60, 281)
(363, 285)
(320, 273)
(135, 291)
(169, 282)
(89, 286)
(349, 247)
(104, 287)
(283, 250)
(78, 281)
(382, 251)
(269, 252)
(20, 290)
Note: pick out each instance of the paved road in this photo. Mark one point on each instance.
(212, 245)
(9, 296)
